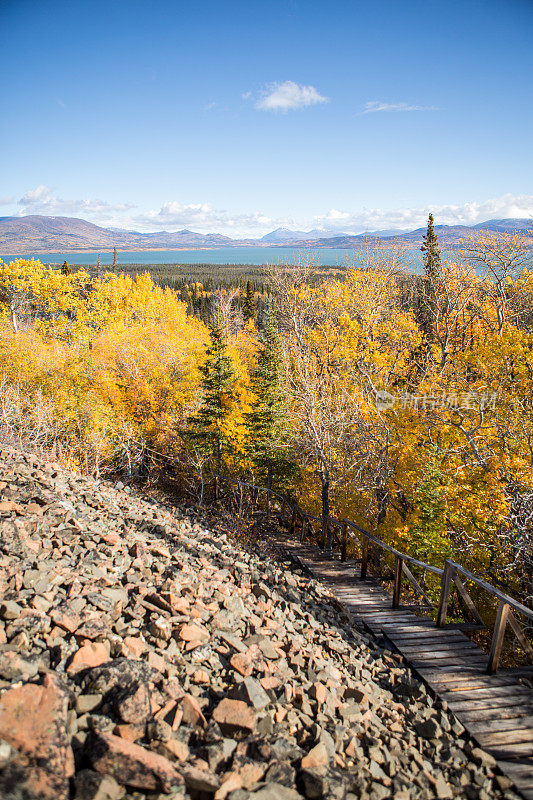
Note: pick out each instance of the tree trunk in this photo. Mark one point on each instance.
(326, 528)
(381, 497)
(269, 487)
(14, 321)
(219, 457)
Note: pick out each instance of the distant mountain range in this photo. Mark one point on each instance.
(37, 234)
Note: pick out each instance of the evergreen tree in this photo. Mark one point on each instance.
(65, 269)
(431, 250)
(248, 303)
(429, 534)
(268, 446)
(429, 286)
(206, 429)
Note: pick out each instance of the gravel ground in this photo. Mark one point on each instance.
(145, 654)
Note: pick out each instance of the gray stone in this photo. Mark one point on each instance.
(275, 791)
(251, 691)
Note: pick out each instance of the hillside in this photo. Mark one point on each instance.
(449, 235)
(37, 234)
(284, 235)
(141, 650)
(34, 234)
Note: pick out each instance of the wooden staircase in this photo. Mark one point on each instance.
(496, 710)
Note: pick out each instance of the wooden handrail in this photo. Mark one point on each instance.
(505, 598)
(340, 523)
(448, 575)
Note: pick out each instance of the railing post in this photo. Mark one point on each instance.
(497, 637)
(364, 559)
(445, 589)
(293, 522)
(304, 528)
(268, 505)
(344, 545)
(216, 488)
(397, 582)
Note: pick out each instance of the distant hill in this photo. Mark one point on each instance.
(449, 235)
(506, 225)
(37, 234)
(285, 235)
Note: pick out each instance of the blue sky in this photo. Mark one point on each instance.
(239, 117)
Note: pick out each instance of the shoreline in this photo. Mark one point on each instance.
(274, 248)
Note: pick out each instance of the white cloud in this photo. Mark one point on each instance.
(203, 217)
(288, 96)
(42, 201)
(470, 213)
(374, 105)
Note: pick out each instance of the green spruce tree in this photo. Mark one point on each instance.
(428, 291)
(268, 444)
(248, 303)
(430, 248)
(206, 429)
(428, 536)
(65, 269)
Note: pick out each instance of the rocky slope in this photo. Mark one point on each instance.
(143, 655)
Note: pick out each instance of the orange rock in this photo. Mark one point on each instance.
(68, 620)
(130, 764)
(179, 604)
(165, 710)
(129, 732)
(269, 682)
(133, 647)
(34, 508)
(91, 654)
(192, 713)
(9, 505)
(317, 757)
(319, 693)
(177, 749)
(242, 663)
(33, 720)
(134, 708)
(193, 633)
(350, 749)
(200, 676)
(156, 661)
(251, 773)
(235, 717)
(188, 646)
(230, 782)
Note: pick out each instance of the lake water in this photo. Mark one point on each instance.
(222, 255)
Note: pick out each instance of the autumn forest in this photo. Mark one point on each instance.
(404, 402)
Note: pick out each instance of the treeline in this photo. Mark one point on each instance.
(404, 403)
(201, 286)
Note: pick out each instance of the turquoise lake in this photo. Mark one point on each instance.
(223, 255)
